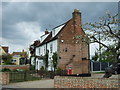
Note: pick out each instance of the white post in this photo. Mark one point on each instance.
(92, 66)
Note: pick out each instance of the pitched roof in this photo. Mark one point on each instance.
(46, 39)
(5, 49)
(22, 54)
(16, 53)
(50, 38)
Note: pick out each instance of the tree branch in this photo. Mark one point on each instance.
(111, 32)
(95, 40)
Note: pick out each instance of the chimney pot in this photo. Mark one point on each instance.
(46, 32)
(76, 17)
(76, 13)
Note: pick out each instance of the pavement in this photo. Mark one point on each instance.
(48, 83)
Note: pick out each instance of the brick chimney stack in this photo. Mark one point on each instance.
(77, 17)
(46, 32)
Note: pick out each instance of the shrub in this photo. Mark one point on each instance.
(6, 70)
(59, 71)
(32, 67)
(14, 70)
(18, 70)
(42, 68)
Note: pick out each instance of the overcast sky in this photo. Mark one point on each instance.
(22, 23)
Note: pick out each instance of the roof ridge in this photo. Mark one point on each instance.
(55, 37)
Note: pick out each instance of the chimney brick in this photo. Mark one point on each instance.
(77, 17)
(46, 32)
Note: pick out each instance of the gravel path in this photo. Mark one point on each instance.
(49, 83)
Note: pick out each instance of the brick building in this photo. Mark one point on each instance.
(73, 52)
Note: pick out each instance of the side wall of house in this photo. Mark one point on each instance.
(72, 50)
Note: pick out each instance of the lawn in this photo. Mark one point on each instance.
(99, 72)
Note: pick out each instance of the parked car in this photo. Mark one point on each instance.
(113, 69)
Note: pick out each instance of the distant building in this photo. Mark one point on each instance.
(72, 53)
(20, 58)
(3, 50)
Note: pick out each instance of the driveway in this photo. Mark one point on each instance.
(47, 83)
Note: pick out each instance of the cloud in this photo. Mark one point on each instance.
(22, 34)
(24, 22)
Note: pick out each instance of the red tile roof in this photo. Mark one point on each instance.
(16, 53)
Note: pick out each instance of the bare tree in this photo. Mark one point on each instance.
(106, 33)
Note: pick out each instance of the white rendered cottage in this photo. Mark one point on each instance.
(49, 43)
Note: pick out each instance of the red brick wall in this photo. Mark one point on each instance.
(85, 82)
(14, 67)
(74, 47)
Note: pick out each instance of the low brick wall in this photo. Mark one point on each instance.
(4, 78)
(84, 82)
(14, 67)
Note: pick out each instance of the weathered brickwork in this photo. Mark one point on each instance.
(84, 82)
(4, 78)
(70, 46)
(14, 67)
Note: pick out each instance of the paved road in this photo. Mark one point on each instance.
(49, 83)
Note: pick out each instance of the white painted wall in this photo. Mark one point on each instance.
(32, 60)
(39, 63)
(41, 51)
(54, 49)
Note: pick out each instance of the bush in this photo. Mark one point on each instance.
(42, 68)
(6, 70)
(18, 70)
(59, 71)
(32, 67)
(14, 71)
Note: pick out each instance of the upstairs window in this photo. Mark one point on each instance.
(39, 51)
(65, 49)
(44, 50)
(51, 48)
(84, 58)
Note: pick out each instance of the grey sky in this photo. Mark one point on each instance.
(22, 23)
